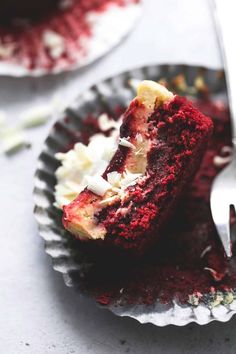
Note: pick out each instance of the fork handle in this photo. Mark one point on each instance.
(225, 21)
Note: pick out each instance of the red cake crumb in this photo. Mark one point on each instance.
(180, 134)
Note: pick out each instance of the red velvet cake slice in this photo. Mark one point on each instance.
(162, 141)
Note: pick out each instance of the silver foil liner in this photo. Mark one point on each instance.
(17, 53)
(67, 257)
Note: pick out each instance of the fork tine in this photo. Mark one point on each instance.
(221, 217)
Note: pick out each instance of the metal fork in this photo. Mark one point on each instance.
(223, 192)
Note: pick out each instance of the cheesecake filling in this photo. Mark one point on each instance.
(126, 171)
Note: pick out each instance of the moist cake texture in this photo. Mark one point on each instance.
(162, 141)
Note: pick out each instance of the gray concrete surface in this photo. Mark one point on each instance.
(38, 314)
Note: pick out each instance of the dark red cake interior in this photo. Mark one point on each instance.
(179, 134)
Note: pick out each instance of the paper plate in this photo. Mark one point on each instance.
(71, 258)
(74, 35)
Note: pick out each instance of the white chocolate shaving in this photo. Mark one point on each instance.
(222, 160)
(205, 251)
(98, 185)
(54, 43)
(114, 178)
(107, 201)
(36, 116)
(129, 179)
(13, 142)
(125, 142)
(212, 271)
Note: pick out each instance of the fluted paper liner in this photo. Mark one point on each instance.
(67, 257)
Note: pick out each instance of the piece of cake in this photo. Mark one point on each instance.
(162, 141)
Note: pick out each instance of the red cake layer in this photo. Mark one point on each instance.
(178, 135)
